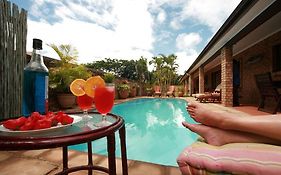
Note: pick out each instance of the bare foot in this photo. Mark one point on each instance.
(203, 115)
(211, 135)
(218, 137)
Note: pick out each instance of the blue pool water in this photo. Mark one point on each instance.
(154, 131)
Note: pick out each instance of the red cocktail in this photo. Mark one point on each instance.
(104, 100)
(85, 103)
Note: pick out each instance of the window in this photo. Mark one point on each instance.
(276, 53)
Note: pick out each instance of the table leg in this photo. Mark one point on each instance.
(111, 154)
(122, 135)
(64, 158)
(90, 158)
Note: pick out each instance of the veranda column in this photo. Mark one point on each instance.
(190, 85)
(226, 76)
(185, 87)
(201, 79)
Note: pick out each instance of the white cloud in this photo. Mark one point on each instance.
(164, 37)
(186, 44)
(172, 3)
(101, 15)
(187, 41)
(130, 38)
(175, 24)
(185, 59)
(211, 13)
(161, 17)
(125, 29)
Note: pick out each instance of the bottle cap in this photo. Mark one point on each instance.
(37, 44)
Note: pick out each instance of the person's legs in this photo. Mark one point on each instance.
(218, 137)
(202, 115)
(267, 126)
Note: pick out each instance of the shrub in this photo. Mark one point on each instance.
(123, 87)
(61, 78)
(108, 77)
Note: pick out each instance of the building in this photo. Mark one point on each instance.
(248, 43)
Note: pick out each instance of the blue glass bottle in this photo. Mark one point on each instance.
(35, 82)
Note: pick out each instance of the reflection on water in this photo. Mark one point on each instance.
(153, 130)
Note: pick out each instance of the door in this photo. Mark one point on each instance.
(236, 82)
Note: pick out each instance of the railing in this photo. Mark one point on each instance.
(13, 29)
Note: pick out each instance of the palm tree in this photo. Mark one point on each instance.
(158, 63)
(170, 61)
(165, 69)
(67, 53)
(142, 72)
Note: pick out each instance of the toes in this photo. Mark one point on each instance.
(197, 128)
(191, 104)
(192, 115)
(189, 126)
(190, 109)
(191, 112)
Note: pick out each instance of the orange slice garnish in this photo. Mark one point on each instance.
(92, 83)
(77, 87)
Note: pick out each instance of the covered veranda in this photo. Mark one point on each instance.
(244, 46)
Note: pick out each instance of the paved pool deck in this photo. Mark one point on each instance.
(49, 162)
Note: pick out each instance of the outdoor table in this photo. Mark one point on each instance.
(81, 132)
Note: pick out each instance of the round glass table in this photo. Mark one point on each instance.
(81, 131)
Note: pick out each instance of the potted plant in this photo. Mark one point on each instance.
(123, 90)
(108, 78)
(60, 79)
(149, 91)
(64, 73)
(180, 91)
(133, 89)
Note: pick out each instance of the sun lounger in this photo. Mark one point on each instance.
(235, 158)
(209, 96)
(171, 91)
(157, 91)
(203, 97)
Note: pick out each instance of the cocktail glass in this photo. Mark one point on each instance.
(104, 100)
(85, 103)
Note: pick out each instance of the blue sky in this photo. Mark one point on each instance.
(127, 29)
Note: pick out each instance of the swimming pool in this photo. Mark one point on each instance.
(154, 132)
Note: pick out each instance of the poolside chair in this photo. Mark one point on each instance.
(203, 97)
(171, 91)
(210, 96)
(157, 91)
(267, 90)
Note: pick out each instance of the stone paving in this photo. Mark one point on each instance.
(49, 162)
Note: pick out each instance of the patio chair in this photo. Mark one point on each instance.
(267, 90)
(157, 91)
(171, 91)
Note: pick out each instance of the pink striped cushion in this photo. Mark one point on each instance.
(235, 158)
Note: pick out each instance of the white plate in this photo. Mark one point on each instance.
(59, 126)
